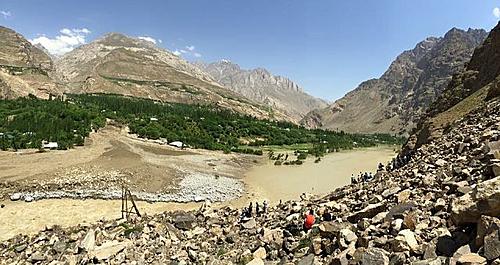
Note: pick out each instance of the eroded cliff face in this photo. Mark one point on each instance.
(24, 69)
(260, 85)
(394, 102)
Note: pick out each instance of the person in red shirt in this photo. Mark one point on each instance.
(309, 220)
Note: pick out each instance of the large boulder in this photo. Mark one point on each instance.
(368, 212)
(184, 220)
(483, 200)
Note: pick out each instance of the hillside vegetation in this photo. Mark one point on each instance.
(25, 122)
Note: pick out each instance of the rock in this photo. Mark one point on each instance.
(88, 242)
(250, 224)
(28, 198)
(486, 226)
(483, 200)
(403, 196)
(15, 196)
(492, 245)
(256, 261)
(21, 248)
(108, 249)
(348, 235)
(409, 238)
(260, 253)
(184, 220)
(471, 259)
(391, 191)
(332, 229)
(368, 212)
(36, 257)
(59, 247)
(375, 256)
(316, 246)
(307, 260)
(440, 162)
(435, 261)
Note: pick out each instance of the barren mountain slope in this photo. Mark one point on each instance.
(260, 85)
(24, 69)
(394, 102)
(124, 65)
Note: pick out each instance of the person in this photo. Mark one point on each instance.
(327, 216)
(250, 209)
(309, 220)
(264, 206)
(257, 209)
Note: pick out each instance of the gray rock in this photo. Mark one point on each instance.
(375, 256)
(492, 245)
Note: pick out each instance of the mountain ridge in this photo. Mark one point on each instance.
(394, 102)
(260, 85)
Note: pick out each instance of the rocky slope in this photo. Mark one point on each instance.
(394, 102)
(24, 69)
(120, 64)
(260, 85)
(442, 207)
(471, 87)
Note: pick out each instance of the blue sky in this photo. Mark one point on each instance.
(328, 47)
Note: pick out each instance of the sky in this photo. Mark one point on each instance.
(327, 47)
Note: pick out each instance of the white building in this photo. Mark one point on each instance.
(177, 144)
(49, 145)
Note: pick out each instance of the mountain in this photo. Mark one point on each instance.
(470, 89)
(120, 64)
(261, 86)
(24, 69)
(394, 102)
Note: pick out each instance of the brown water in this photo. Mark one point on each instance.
(263, 181)
(273, 183)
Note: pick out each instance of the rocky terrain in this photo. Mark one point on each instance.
(394, 102)
(130, 66)
(260, 85)
(24, 69)
(440, 208)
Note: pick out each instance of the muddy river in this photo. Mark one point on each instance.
(263, 181)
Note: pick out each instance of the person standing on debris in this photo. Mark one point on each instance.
(327, 216)
(264, 206)
(249, 212)
(309, 220)
(257, 209)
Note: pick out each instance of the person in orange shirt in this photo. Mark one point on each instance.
(309, 220)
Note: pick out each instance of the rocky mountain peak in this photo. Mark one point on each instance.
(262, 86)
(394, 102)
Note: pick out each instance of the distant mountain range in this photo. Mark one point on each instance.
(130, 66)
(261, 86)
(394, 102)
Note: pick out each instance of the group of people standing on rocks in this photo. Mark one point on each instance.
(248, 212)
(361, 177)
(400, 161)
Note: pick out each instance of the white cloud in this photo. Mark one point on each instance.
(496, 12)
(197, 55)
(177, 52)
(147, 38)
(190, 47)
(189, 51)
(183, 51)
(160, 41)
(63, 43)
(5, 14)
